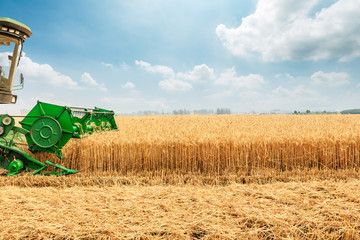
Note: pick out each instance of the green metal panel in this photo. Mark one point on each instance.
(15, 161)
(8, 154)
(50, 127)
(94, 120)
(107, 117)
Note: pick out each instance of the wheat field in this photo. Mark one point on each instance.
(219, 145)
(196, 177)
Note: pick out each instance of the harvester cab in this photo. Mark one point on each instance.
(47, 127)
(11, 31)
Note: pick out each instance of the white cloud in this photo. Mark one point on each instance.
(229, 78)
(109, 65)
(283, 91)
(179, 81)
(119, 100)
(297, 91)
(285, 76)
(102, 87)
(158, 103)
(128, 85)
(163, 70)
(200, 73)
(4, 61)
(174, 85)
(282, 30)
(87, 79)
(123, 66)
(332, 79)
(44, 73)
(250, 95)
(37, 72)
(299, 97)
(220, 95)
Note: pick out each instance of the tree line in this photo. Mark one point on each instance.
(219, 111)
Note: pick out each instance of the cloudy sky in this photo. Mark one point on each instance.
(162, 55)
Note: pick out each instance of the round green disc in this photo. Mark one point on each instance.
(16, 165)
(46, 132)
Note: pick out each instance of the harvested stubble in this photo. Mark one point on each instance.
(219, 145)
(311, 210)
(109, 179)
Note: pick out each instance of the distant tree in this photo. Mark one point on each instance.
(181, 112)
(220, 111)
(351, 111)
(203, 112)
(308, 111)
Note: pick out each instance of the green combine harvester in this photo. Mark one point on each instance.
(47, 127)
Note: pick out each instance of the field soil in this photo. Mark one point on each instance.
(110, 207)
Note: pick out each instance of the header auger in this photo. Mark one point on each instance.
(47, 127)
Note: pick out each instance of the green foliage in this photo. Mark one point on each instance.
(221, 111)
(313, 112)
(181, 112)
(351, 111)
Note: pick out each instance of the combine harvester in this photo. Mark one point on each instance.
(47, 127)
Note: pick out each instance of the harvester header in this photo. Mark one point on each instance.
(51, 126)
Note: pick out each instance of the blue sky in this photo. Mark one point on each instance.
(163, 55)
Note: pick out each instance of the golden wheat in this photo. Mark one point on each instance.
(219, 144)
